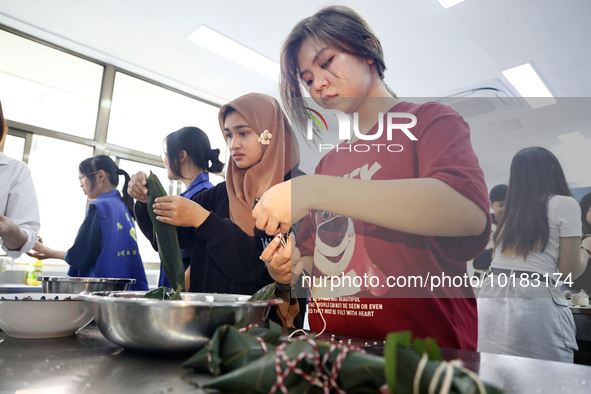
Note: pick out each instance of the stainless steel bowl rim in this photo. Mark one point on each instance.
(49, 297)
(135, 297)
(83, 279)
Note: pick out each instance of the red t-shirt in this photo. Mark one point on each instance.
(349, 249)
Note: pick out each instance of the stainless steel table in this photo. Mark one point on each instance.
(89, 363)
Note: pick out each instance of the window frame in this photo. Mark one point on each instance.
(98, 143)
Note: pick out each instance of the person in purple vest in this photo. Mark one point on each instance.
(106, 243)
(187, 157)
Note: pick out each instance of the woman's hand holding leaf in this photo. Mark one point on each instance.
(138, 187)
(179, 211)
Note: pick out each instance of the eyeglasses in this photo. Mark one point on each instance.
(82, 175)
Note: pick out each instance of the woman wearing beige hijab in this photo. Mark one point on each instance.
(226, 250)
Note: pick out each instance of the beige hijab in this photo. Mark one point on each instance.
(261, 112)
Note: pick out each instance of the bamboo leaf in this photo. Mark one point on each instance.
(166, 238)
(433, 349)
(265, 293)
(390, 354)
(161, 293)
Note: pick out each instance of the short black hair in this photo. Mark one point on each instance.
(498, 193)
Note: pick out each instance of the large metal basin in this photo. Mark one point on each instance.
(157, 325)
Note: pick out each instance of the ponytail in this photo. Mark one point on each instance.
(127, 199)
(216, 165)
(195, 142)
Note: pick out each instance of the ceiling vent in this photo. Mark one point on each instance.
(491, 96)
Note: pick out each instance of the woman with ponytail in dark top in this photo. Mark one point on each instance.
(187, 157)
(106, 243)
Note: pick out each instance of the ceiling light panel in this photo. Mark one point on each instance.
(233, 50)
(449, 3)
(529, 85)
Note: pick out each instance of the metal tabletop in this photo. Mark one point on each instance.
(89, 363)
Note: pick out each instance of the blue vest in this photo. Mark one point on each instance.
(119, 256)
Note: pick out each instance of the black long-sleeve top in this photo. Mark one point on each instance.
(225, 259)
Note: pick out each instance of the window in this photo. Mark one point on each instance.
(14, 147)
(54, 98)
(143, 114)
(62, 204)
(45, 87)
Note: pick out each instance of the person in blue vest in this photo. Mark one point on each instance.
(106, 243)
(187, 157)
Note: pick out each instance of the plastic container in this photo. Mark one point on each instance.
(5, 262)
(35, 270)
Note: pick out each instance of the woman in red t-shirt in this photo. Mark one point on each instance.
(394, 212)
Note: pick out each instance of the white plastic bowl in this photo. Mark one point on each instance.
(43, 318)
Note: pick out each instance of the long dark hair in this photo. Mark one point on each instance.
(338, 26)
(536, 175)
(585, 204)
(89, 167)
(196, 143)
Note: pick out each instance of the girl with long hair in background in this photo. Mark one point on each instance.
(521, 308)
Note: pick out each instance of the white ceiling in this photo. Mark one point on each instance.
(430, 52)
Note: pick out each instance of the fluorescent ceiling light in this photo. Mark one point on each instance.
(574, 138)
(449, 3)
(235, 51)
(529, 85)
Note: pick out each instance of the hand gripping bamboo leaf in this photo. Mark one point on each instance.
(166, 238)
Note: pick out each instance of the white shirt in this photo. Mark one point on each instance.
(18, 201)
(564, 218)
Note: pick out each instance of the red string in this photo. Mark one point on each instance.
(244, 329)
(328, 382)
(263, 344)
(291, 366)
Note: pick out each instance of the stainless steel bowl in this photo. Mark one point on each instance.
(73, 285)
(157, 325)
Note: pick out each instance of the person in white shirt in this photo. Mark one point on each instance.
(19, 211)
(521, 308)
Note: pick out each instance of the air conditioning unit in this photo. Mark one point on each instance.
(491, 96)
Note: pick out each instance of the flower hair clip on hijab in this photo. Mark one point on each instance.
(265, 137)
